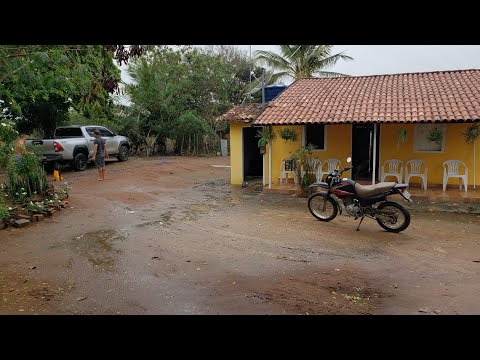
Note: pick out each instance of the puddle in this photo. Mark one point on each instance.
(166, 219)
(98, 248)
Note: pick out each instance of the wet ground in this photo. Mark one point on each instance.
(170, 236)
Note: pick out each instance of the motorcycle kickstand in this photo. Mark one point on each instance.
(358, 227)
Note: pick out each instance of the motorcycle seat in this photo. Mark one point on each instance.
(369, 190)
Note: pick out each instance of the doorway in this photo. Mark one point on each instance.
(252, 159)
(362, 151)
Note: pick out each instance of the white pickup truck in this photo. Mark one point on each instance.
(74, 145)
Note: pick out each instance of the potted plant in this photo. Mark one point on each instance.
(472, 133)
(401, 137)
(435, 135)
(288, 134)
(266, 135)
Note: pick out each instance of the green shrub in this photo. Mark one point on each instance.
(8, 135)
(4, 213)
(25, 177)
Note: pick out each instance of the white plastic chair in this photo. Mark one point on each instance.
(395, 168)
(451, 170)
(416, 171)
(332, 164)
(284, 174)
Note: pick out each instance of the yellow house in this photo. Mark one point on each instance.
(372, 119)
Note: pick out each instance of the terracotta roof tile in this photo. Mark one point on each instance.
(416, 97)
(242, 112)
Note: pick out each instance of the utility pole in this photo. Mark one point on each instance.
(250, 84)
(263, 86)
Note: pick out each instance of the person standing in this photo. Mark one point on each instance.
(99, 154)
(20, 150)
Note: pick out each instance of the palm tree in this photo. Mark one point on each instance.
(301, 61)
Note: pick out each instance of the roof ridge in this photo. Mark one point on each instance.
(382, 75)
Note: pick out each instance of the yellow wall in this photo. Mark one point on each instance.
(455, 148)
(236, 149)
(339, 143)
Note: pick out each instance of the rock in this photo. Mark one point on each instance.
(22, 216)
(39, 217)
(32, 267)
(21, 223)
(63, 203)
(81, 298)
(424, 310)
(437, 311)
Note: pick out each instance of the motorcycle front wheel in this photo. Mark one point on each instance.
(395, 217)
(322, 207)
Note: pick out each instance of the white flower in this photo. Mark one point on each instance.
(10, 209)
(3, 124)
(51, 200)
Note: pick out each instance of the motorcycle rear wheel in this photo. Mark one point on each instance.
(322, 207)
(400, 216)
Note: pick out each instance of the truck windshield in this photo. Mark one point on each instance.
(68, 132)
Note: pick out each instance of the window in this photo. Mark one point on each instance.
(105, 133)
(421, 142)
(90, 130)
(315, 135)
(68, 132)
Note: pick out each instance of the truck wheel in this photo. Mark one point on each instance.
(123, 153)
(80, 162)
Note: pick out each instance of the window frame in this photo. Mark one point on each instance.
(443, 126)
(304, 137)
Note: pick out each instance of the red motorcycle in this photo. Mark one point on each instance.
(360, 201)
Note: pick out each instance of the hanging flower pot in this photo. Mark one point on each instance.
(472, 133)
(401, 137)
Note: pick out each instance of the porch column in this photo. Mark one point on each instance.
(270, 165)
(474, 167)
(263, 169)
(374, 152)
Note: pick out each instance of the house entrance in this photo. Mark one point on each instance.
(252, 159)
(362, 151)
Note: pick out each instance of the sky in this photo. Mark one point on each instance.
(391, 59)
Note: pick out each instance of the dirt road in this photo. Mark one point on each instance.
(171, 236)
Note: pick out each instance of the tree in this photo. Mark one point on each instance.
(301, 61)
(175, 88)
(40, 83)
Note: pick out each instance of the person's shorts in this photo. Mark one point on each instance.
(99, 161)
